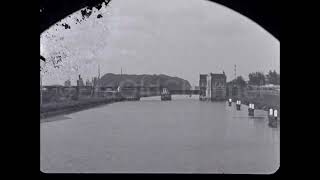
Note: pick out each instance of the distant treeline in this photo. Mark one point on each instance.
(259, 78)
(172, 83)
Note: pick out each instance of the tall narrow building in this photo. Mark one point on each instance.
(213, 87)
(218, 87)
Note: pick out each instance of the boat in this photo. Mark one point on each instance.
(165, 95)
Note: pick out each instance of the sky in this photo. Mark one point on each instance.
(180, 38)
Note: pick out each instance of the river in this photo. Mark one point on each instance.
(184, 135)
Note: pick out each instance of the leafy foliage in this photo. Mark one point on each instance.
(257, 78)
(239, 81)
(273, 77)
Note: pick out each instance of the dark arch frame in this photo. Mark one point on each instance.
(263, 12)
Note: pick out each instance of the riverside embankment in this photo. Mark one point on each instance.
(70, 106)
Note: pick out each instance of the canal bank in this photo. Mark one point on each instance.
(67, 107)
(264, 102)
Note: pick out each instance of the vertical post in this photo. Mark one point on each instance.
(78, 88)
(270, 112)
(40, 88)
(92, 89)
(99, 72)
(235, 72)
(77, 92)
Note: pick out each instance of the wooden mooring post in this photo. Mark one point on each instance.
(238, 105)
(251, 109)
(273, 117)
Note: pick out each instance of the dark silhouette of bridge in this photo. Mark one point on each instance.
(133, 92)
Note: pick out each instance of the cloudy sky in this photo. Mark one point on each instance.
(175, 37)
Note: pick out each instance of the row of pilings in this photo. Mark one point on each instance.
(273, 112)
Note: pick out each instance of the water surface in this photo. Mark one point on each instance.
(184, 135)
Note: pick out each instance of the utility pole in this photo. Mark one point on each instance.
(235, 87)
(99, 72)
(97, 83)
(120, 75)
(235, 71)
(78, 87)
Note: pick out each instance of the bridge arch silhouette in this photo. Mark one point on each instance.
(264, 12)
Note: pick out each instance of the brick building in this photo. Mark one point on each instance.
(218, 86)
(213, 87)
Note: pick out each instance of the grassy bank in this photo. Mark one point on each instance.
(264, 103)
(65, 107)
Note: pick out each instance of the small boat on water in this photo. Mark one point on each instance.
(165, 95)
